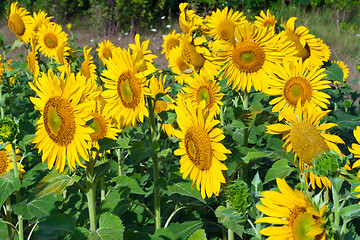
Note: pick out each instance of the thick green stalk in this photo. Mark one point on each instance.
(91, 194)
(154, 157)
(118, 152)
(230, 232)
(1, 107)
(18, 197)
(336, 209)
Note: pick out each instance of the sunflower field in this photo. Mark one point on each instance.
(250, 131)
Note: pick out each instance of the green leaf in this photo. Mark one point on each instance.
(139, 152)
(334, 73)
(17, 43)
(183, 230)
(163, 234)
(250, 156)
(123, 142)
(110, 227)
(279, 169)
(125, 181)
(107, 144)
(350, 212)
(54, 182)
(38, 207)
(184, 188)
(8, 184)
(230, 219)
(198, 235)
(115, 203)
(80, 233)
(55, 226)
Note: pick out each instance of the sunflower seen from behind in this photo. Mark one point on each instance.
(297, 80)
(294, 215)
(306, 137)
(33, 61)
(143, 55)
(88, 68)
(200, 148)
(126, 89)
(61, 134)
(21, 23)
(50, 36)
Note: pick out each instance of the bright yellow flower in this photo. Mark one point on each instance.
(143, 55)
(171, 41)
(293, 213)
(88, 68)
(6, 162)
(265, 20)
(105, 50)
(344, 69)
(200, 148)
(33, 62)
(50, 36)
(178, 65)
(21, 23)
(40, 19)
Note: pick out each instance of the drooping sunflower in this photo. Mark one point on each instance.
(105, 50)
(62, 58)
(40, 19)
(143, 55)
(203, 88)
(33, 62)
(126, 89)
(21, 23)
(265, 20)
(88, 68)
(200, 148)
(6, 162)
(344, 69)
(221, 24)
(293, 213)
(248, 62)
(186, 17)
(305, 137)
(61, 133)
(306, 44)
(297, 80)
(50, 36)
(178, 65)
(171, 41)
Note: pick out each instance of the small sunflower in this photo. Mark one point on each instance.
(50, 36)
(88, 68)
(344, 69)
(293, 211)
(200, 148)
(221, 24)
(295, 80)
(143, 55)
(306, 44)
(33, 62)
(248, 62)
(178, 65)
(105, 50)
(62, 134)
(6, 162)
(21, 23)
(40, 19)
(171, 41)
(126, 89)
(305, 137)
(62, 58)
(203, 88)
(265, 20)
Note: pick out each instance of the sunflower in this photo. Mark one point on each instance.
(143, 55)
(171, 41)
(50, 36)
(105, 50)
(61, 133)
(126, 89)
(203, 88)
(21, 23)
(178, 65)
(306, 44)
(88, 68)
(266, 20)
(62, 58)
(344, 69)
(185, 17)
(293, 211)
(251, 59)
(33, 62)
(1, 70)
(6, 162)
(221, 24)
(297, 80)
(40, 19)
(303, 135)
(355, 147)
(200, 150)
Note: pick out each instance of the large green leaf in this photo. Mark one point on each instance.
(54, 226)
(163, 234)
(125, 181)
(8, 184)
(230, 219)
(350, 212)
(38, 207)
(184, 188)
(250, 156)
(279, 169)
(110, 227)
(183, 230)
(54, 182)
(139, 152)
(115, 203)
(198, 235)
(334, 73)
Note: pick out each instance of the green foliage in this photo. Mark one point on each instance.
(8, 184)
(110, 227)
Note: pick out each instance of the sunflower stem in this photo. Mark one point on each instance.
(336, 209)
(1, 106)
(8, 214)
(91, 194)
(154, 157)
(118, 152)
(102, 185)
(18, 196)
(230, 232)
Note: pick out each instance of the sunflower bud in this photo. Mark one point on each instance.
(358, 67)
(327, 164)
(13, 80)
(9, 129)
(239, 197)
